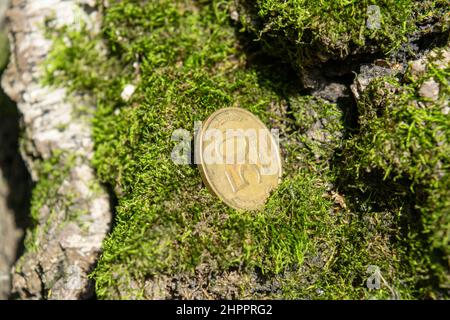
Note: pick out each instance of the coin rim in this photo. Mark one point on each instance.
(199, 154)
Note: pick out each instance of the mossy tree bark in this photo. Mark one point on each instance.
(70, 209)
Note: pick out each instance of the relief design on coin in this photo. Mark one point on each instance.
(238, 158)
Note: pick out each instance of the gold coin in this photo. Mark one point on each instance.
(238, 158)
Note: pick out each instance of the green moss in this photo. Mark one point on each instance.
(316, 236)
(52, 173)
(4, 50)
(91, 70)
(306, 32)
(405, 137)
(167, 223)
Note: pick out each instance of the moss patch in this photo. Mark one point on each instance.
(306, 32)
(167, 223)
(405, 136)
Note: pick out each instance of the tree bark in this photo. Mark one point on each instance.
(63, 251)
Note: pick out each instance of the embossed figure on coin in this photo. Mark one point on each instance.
(238, 158)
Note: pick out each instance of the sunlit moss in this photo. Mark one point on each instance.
(316, 236)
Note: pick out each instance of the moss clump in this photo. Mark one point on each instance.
(316, 236)
(52, 173)
(405, 136)
(4, 55)
(91, 72)
(4, 50)
(320, 126)
(306, 32)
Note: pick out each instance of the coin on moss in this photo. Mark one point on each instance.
(238, 158)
